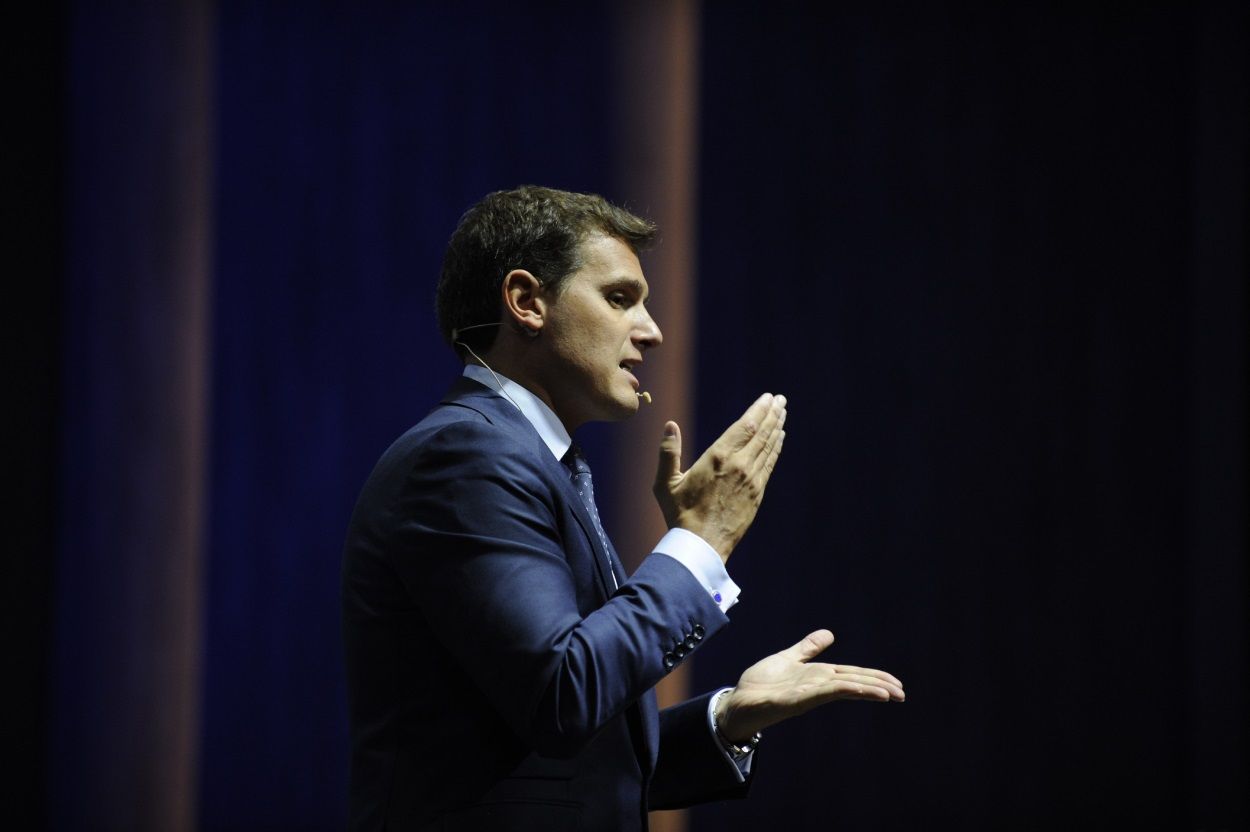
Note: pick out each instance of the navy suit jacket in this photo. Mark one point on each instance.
(496, 681)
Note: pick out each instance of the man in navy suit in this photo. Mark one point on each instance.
(500, 661)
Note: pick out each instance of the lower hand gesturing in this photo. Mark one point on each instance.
(789, 683)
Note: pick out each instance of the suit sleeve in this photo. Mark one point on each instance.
(692, 768)
(481, 554)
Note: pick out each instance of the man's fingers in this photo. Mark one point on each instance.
(760, 447)
(670, 454)
(771, 461)
(774, 417)
(767, 460)
(842, 681)
(845, 689)
(880, 675)
(871, 686)
(741, 432)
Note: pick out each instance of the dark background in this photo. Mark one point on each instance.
(995, 259)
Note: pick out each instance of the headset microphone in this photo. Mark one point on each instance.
(645, 396)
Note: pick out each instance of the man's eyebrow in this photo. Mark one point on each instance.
(631, 283)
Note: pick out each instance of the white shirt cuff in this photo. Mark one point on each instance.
(694, 553)
(741, 767)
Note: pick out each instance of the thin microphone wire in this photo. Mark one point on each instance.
(455, 334)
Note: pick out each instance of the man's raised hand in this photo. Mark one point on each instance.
(718, 496)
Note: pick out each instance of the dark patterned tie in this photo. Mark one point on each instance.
(579, 469)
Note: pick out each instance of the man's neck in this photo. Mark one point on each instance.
(534, 409)
(504, 359)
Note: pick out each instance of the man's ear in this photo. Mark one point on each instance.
(523, 303)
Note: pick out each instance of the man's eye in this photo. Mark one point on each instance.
(617, 299)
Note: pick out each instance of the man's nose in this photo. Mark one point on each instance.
(647, 333)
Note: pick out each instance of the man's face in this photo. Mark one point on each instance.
(596, 330)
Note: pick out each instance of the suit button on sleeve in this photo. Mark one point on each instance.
(698, 632)
(669, 661)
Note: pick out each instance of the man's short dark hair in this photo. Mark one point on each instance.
(537, 229)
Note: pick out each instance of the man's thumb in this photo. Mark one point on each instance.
(811, 646)
(670, 453)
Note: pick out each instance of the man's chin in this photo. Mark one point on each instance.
(626, 409)
(622, 408)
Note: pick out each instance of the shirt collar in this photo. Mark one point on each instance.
(534, 409)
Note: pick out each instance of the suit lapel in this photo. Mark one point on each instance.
(468, 393)
(471, 394)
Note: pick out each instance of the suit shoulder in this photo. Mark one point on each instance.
(459, 441)
(452, 427)
(455, 455)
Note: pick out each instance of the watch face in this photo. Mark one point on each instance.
(738, 752)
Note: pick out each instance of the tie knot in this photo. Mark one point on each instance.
(575, 462)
